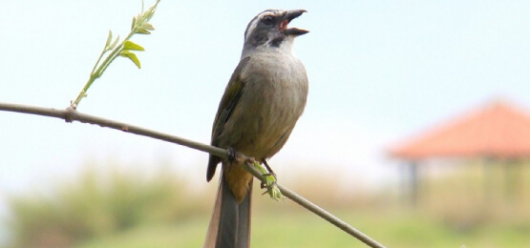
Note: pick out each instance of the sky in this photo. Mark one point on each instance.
(379, 72)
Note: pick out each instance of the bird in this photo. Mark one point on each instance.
(261, 104)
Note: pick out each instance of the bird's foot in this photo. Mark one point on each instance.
(269, 181)
(234, 157)
(272, 189)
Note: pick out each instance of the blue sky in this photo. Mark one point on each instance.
(379, 71)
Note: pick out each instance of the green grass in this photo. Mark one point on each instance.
(301, 229)
(185, 234)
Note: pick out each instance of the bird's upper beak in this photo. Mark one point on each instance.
(288, 16)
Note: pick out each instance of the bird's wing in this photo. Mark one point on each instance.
(227, 105)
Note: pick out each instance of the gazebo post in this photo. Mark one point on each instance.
(487, 163)
(413, 182)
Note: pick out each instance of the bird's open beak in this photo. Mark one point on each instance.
(288, 16)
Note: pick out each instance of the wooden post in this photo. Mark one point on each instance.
(413, 183)
(487, 180)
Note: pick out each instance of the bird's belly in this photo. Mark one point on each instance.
(266, 129)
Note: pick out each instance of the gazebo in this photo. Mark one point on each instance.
(498, 131)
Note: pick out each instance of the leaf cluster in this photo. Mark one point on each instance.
(113, 48)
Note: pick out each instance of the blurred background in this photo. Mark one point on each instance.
(387, 81)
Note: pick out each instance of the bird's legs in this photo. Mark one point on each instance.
(269, 177)
(269, 180)
(271, 172)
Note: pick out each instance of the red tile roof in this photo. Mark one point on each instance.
(498, 130)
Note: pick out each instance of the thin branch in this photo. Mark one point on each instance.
(70, 115)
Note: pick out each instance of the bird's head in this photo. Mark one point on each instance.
(269, 29)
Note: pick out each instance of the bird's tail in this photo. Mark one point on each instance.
(230, 223)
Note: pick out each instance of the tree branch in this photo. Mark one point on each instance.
(70, 115)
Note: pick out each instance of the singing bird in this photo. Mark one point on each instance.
(262, 102)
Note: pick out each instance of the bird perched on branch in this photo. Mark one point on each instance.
(261, 104)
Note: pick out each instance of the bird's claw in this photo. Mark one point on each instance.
(269, 182)
(272, 188)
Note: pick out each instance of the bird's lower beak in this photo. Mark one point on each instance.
(289, 15)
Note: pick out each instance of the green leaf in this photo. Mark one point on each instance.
(109, 39)
(133, 23)
(148, 26)
(149, 14)
(141, 30)
(132, 57)
(113, 45)
(129, 45)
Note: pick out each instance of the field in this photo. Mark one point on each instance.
(300, 229)
(125, 210)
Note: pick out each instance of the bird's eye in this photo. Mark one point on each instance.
(268, 20)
